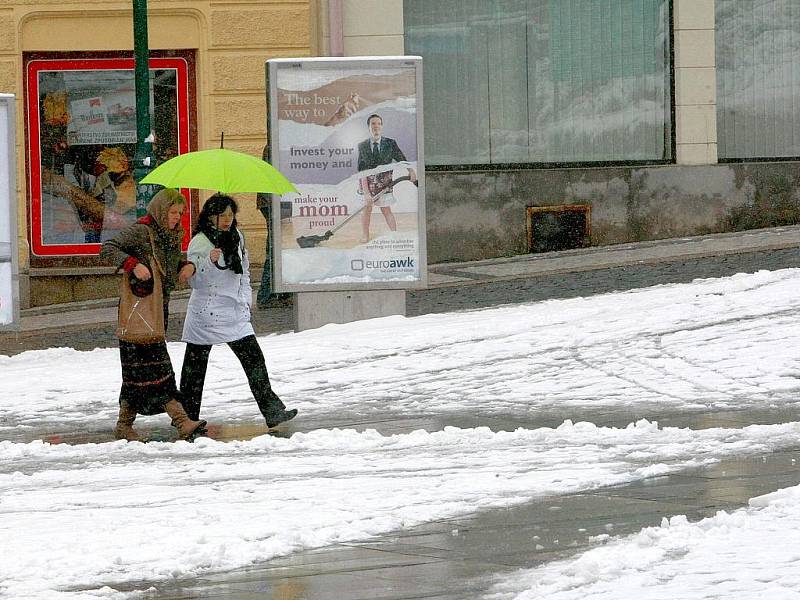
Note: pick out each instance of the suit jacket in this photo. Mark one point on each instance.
(388, 151)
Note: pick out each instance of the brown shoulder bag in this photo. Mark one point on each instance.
(141, 319)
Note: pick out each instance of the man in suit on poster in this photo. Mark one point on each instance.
(373, 152)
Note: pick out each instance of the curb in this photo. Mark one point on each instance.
(505, 269)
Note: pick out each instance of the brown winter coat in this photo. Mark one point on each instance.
(132, 245)
(134, 241)
(148, 379)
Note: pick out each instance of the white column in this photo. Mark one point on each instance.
(369, 28)
(695, 83)
(373, 28)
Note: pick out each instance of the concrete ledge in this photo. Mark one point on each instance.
(605, 257)
(315, 309)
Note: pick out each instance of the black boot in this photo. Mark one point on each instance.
(271, 406)
(281, 416)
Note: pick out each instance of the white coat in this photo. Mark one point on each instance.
(219, 305)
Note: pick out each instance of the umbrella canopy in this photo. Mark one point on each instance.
(220, 170)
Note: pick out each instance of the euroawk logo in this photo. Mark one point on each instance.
(382, 265)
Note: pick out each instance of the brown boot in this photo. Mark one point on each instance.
(185, 426)
(124, 429)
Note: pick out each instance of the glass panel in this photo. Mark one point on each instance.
(543, 80)
(508, 81)
(456, 117)
(87, 142)
(758, 78)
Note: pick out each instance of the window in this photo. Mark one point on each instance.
(758, 78)
(81, 121)
(543, 81)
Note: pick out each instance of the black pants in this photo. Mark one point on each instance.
(247, 350)
(265, 290)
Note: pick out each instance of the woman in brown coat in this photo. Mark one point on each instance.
(148, 380)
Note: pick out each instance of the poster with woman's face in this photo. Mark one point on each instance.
(346, 134)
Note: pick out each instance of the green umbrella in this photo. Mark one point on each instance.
(220, 170)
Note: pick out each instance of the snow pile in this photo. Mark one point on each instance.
(749, 553)
(78, 521)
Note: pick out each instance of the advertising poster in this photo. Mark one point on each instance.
(9, 293)
(347, 133)
(106, 117)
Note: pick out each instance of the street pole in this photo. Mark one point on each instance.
(143, 158)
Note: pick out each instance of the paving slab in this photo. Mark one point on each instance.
(95, 329)
(585, 271)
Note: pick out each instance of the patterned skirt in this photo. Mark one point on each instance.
(148, 381)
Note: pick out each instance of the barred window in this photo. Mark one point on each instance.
(758, 78)
(543, 81)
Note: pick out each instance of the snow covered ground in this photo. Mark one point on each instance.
(76, 520)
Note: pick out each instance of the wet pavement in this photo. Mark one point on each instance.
(460, 558)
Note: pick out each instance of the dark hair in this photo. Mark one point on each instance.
(213, 207)
(372, 116)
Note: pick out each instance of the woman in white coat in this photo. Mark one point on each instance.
(219, 310)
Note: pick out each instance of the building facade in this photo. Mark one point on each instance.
(606, 122)
(549, 124)
(69, 65)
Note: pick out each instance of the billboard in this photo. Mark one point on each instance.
(81, 122)
(9, 282)
(348, 134)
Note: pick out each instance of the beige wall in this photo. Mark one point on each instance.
(233, 39)
(243, 35)
(370, 27)
(695, 83)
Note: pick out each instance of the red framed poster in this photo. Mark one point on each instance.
(81, 125)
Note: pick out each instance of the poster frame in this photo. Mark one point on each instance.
(40, 249)
(8, 102)
(272, 68)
